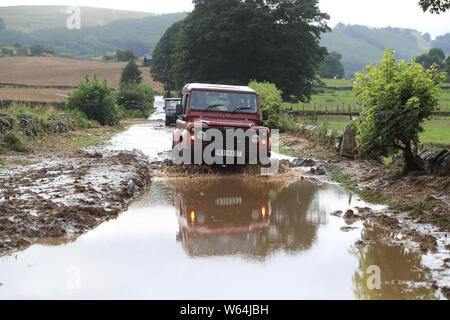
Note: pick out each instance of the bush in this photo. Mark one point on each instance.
(96, 101)
(136, 97)
(131, 74)
(126, 55)
(15, 142)
(270, 99)
(287, 124)
(80, 118)
(398, 98)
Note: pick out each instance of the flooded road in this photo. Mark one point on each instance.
(219, 238)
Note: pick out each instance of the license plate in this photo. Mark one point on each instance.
(228, 201)
(228, 153)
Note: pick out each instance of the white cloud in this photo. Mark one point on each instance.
(383, 13)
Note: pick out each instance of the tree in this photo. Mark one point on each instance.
(125, 56)
(131, 74)
(96, 101)
(435, 6)
(233, 41)
(397, 97)
(269, 98)
(332, 67)
(136, 97)
(434, 56)
(162, 57)
(38, 50)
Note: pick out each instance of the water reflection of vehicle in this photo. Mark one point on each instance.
(222, 218)
(246, 216)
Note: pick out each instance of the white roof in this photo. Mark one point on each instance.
(207, 86)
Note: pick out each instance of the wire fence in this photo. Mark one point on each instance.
(339, 109)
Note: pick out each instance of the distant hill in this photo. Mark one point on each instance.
(29, 18)
(360, 44)
(140, 35)
(105, 30)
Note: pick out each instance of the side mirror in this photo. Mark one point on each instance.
(265, 115)
(179, 109)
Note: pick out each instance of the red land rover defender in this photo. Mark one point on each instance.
(220, 124)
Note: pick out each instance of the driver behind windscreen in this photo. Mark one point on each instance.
(199, 100)
(234, 101)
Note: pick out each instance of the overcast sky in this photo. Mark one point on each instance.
(373, 13)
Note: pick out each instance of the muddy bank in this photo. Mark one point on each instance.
(417, 206)
(425, 197)
(64, 196)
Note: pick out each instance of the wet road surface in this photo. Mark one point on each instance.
(218, 238)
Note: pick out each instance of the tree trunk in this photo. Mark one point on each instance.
(412, 161)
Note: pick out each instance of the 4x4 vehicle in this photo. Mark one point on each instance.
(220, 124)
(171, 110)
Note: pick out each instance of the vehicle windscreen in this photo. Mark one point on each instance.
(171, 106)
(206, 100)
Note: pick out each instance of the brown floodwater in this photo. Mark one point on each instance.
(221, 238)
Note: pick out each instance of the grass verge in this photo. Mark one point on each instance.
(348, 181)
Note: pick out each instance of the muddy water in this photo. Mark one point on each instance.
(224, 238)
(153, 139)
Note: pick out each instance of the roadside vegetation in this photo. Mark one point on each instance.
(398, 98)
(39, 122)
(93, 105)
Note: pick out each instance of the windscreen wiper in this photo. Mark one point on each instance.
(241, 108)
(213, 106)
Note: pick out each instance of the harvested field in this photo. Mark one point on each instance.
(55, 71)
(34, 94)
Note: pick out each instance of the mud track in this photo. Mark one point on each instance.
(66, 196)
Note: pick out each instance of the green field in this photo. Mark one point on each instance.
(436, 131)
(338, 83)
(335, 100)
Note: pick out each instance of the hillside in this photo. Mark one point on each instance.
(139, 35)
(29, 18)
(360, 44)
(105, 30)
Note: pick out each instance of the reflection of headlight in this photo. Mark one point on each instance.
(255, 138)
(264, 133)
(201, 135)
